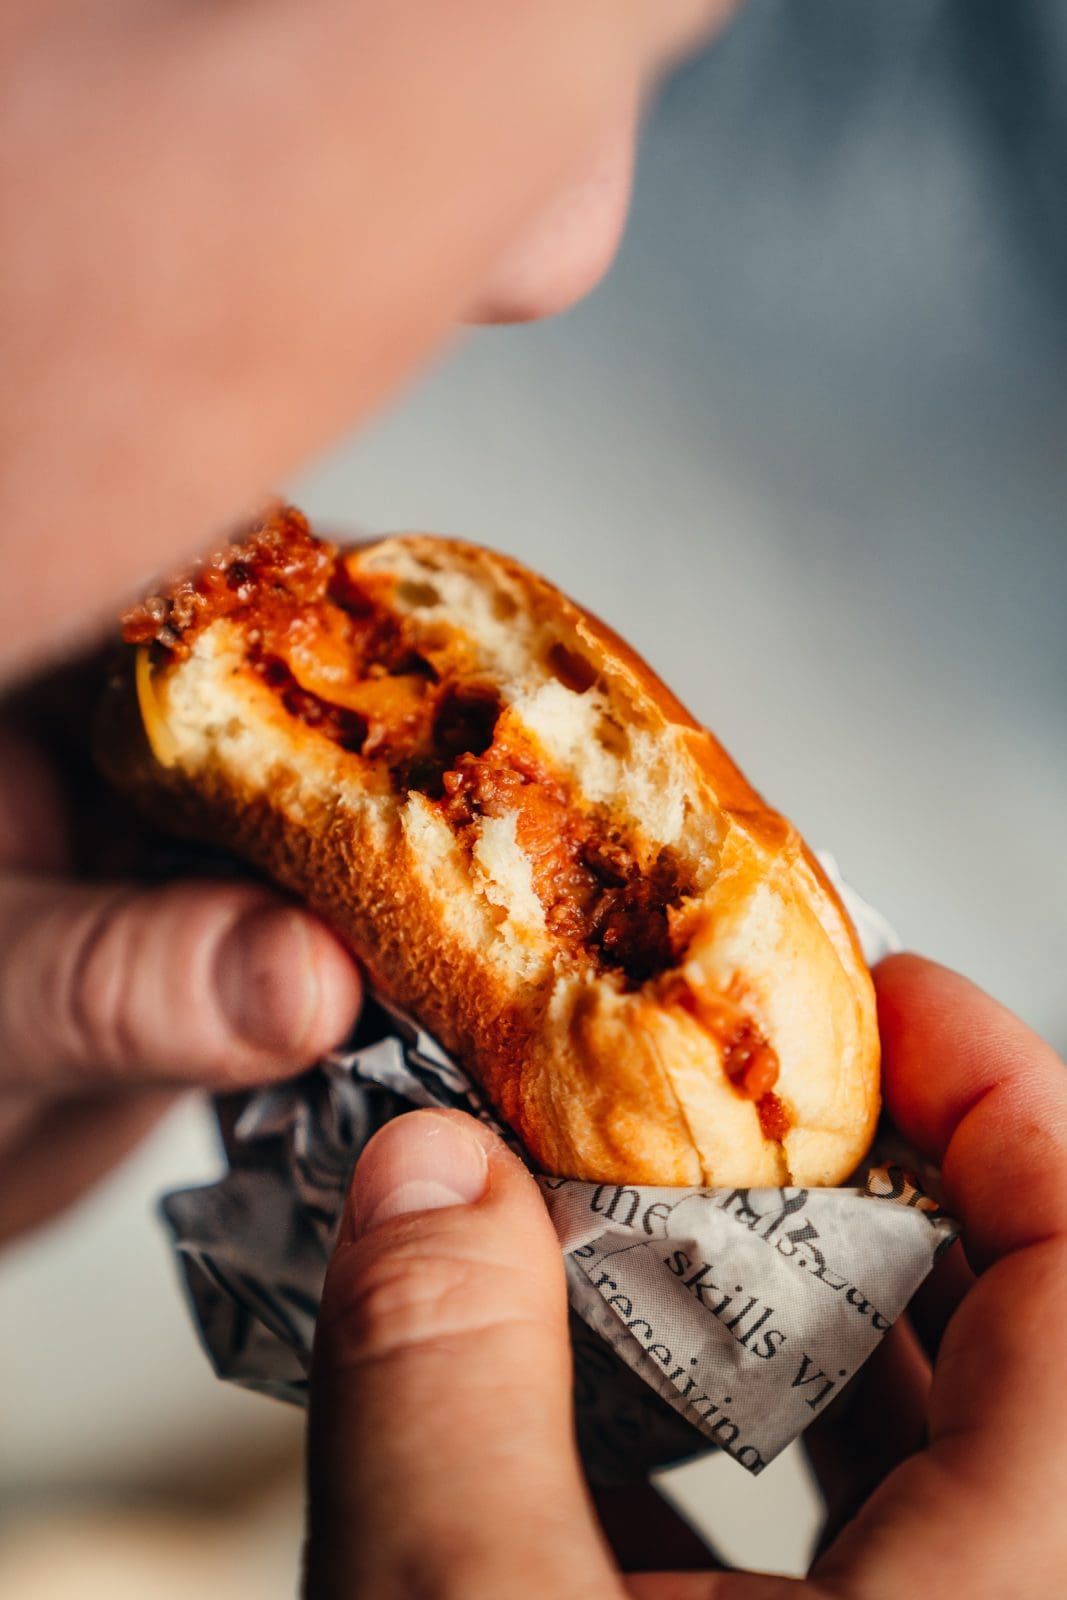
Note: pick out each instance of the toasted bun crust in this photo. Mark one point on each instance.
(525, 839)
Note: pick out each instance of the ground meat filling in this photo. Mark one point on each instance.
(774, 1118)
(277, 568)
(398, 696)
(432, 729)
(343, 726)
(749, 1060)
(596, 894)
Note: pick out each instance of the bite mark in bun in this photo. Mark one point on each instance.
(527, 841)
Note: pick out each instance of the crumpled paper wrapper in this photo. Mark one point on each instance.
(700, 1317)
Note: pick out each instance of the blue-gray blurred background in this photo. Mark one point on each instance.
(807, 449)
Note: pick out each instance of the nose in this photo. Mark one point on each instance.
(564, 251)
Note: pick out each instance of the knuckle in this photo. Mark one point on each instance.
(393, 1302)
(97, 1001)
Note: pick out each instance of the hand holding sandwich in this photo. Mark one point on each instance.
(442, 1459)
(115, 996)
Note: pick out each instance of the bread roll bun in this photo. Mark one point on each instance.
(526, 840)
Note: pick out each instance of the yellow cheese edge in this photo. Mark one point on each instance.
(157, 733)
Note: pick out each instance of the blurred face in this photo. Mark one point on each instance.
(244, 227)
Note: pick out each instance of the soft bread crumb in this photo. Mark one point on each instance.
(647, 775)
(504, 874)
(601, 1083)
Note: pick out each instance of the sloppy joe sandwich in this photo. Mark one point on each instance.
(525, 839)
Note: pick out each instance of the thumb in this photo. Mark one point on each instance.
(442, 1457)
(217, 983)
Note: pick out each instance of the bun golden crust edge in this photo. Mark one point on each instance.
(718, 1029)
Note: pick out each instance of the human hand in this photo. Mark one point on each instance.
(115, 996)
(441, 1450)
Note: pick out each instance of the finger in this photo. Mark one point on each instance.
(193, 983)
(66, 1149)
(939, 1297)
(982, 1095)
(881, 1419)
(981, 1509)
(441, 1450)
(878, 1422)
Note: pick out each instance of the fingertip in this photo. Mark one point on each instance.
(429, 1154)
(422, 1161)
(920, 1008)
(339, 988)
(946, 1043)
(286, 988)
(421, 1121)
(902, 982)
